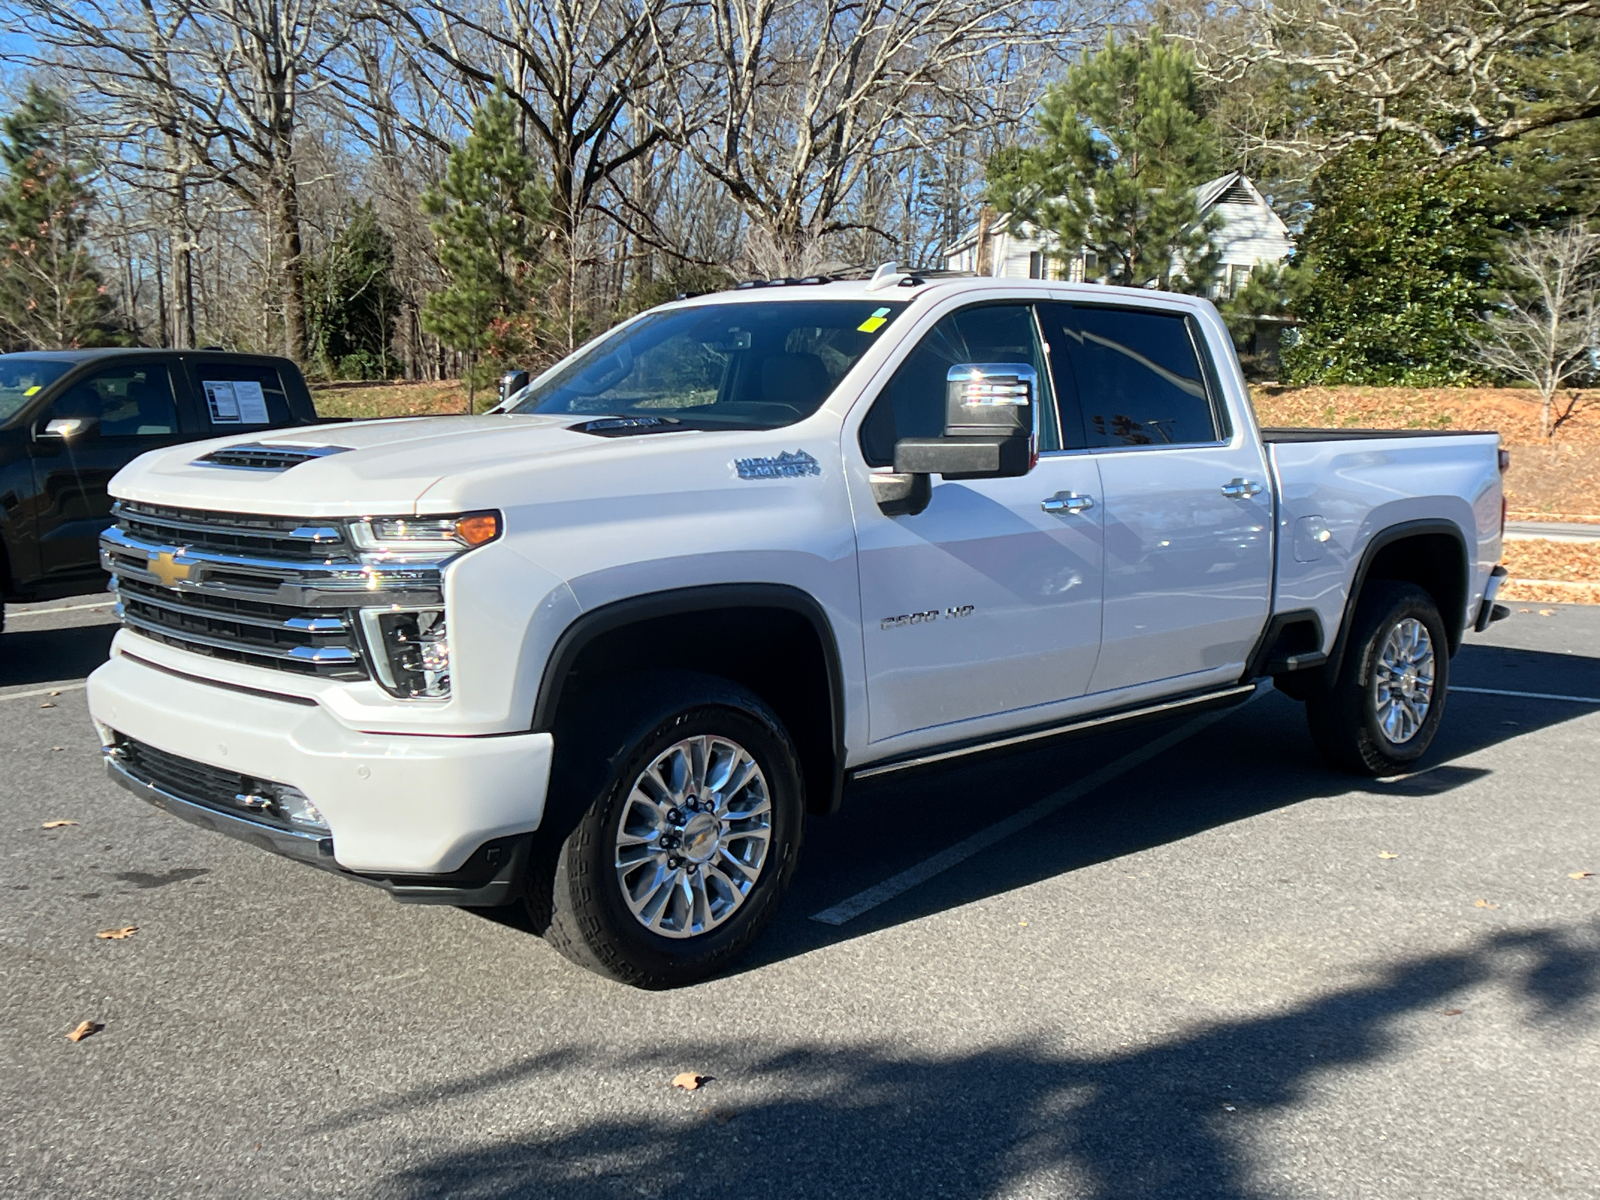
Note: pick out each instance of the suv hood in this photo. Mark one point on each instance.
(344, 469)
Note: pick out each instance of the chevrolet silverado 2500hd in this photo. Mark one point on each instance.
(599, 652)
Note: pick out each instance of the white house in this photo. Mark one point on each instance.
(1250, 234)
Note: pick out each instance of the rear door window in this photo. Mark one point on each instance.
(240, 396)
(1138, 374)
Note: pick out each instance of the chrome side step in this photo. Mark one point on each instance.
(1236, 692)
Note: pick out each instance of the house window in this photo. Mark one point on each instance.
(1036, 264)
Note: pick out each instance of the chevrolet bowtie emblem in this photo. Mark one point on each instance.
(165, 567)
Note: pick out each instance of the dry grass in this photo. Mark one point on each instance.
(396, 399)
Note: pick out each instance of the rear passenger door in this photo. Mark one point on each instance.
(1188, 502)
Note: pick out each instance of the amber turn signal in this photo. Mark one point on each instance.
(478, 528)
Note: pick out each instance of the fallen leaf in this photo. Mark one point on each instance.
(1547, 612)
(1386, 854)
(1451, 1012)
(1580, 875)
(689, 1081)
(1229, 1108)
(58, 747)
(47, 704)
(119, 934)
(1021, 922)
(55, 693)
(84, 1029)
(56, 824)
(1484, 904)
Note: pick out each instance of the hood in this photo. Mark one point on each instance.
(343, 469)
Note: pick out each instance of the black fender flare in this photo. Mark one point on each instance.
(619, 614)
(1454, 622)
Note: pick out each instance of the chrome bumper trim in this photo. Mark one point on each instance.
(315, 849)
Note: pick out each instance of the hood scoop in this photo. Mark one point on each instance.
(259, 456)
(626, 426)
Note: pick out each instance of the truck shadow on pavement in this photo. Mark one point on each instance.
(34, 655)
(1181, 1117)
(1260, 758)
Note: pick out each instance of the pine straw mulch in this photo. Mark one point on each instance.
(1544, 571)
(398, 399)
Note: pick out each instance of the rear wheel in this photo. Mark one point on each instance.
(1381, 713)
(687, 848)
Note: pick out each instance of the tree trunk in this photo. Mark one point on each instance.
(293, 282)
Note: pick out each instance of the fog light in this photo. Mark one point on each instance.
(297, 809)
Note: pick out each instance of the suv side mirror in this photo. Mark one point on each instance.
(69, 429)
(989, 418)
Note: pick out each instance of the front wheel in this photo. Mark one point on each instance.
(683, 856)
(1381, 713)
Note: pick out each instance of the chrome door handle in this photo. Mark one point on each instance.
(1066, 502)
(1240, 488)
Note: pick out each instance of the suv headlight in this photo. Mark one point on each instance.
(410, 647)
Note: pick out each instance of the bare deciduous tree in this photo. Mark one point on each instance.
(791, 104)
(1442, 71)
(1551, 332)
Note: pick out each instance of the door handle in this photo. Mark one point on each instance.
(1066, 502)
(1240, 488)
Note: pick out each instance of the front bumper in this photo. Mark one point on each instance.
(397, 806)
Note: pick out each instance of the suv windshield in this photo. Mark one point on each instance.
(718, 366)
(21, 378)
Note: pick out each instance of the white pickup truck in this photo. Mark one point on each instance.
(598, 653)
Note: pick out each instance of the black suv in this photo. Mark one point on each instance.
(71, 419)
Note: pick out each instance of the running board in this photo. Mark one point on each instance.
(1238, 692)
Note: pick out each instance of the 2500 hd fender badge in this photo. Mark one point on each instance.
(922, 618)
(784, 466)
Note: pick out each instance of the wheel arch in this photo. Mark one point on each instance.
(757, 627)
(1431, 553)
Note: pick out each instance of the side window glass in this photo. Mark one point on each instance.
(134, 400)
(913, 403)
(1138, 378)
(238, 396)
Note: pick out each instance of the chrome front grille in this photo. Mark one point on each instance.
(310, 641)
(276, 592)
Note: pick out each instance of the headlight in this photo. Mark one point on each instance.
(409, 647)
(414, 538)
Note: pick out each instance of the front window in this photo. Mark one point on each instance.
(22, 377)
(718, 366)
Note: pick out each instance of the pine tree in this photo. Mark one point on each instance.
(352, 300)
(491, 221)
(51, 294)
(1121, 144)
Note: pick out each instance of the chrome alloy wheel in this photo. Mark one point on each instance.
(1402, 681)
(693, 836)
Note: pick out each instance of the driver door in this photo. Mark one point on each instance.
(987, 601)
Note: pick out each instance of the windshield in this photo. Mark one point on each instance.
(22, 377)
(718, 366)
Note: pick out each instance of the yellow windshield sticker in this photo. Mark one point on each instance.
(31, 390)
(875, 322)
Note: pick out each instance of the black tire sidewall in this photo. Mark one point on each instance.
(586, 874)
(1395, 603)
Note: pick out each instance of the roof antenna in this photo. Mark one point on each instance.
(885, 276)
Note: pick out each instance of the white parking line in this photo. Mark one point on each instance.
(895, 885)
(1526, 695)
(49, 691)
(14, 615)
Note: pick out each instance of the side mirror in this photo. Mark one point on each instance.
(69, 428)
(511, 383)
(990, 412)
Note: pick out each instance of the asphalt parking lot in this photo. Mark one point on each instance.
(1224, 972)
